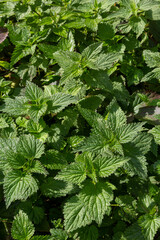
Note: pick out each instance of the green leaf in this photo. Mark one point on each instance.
(36, 214)
(15, 106)
(58, 234)
(138, 24)
(92, 102)
(37, 167)
(27, 71)
(105, 166)
(146, 5)
(56, 188)
(135, 150)
(21, 51)
(22, 227)
(30, 147)
(22, 11)
(3, 123)
(5, 64)
(33, 92)
(54, 159)
(152, 59)
(93, 118)
(94, 59)
(107, 61)
(145, 203)
(89, 205)
(128, 206)
(35, 127)
(156, 134)
(105, 31)
(15, 160)
(95, 142)
(88, 232)
(67, 44)
(149, 225)
(59, 101)
(127, 133)
(19, 34)
(116, 117)
(18, 186)
(37, 111)
(67, 59)
(91, 52)
(133, 232)
(154, 74)
(47, 49)
(153, 14)
(98, 79)
(74, 173)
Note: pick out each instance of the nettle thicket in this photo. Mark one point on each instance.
(79, 119)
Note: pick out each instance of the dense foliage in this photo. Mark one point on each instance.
(79, 119)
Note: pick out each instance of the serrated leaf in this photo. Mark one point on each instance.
(145, 203)
(156, 134)
(18, 186)
(59, 101)
(37, 111)
(15, 160)
(154, 74)
(56, 188)
(115, 117)
(90, 204)
(19, 34)
(93, 143)
(93, 118)
(27, 71)
(67, 44)
(152, 59)
(15, 106)
(137, 165)
(138, 24)
(30, 147)
(98, 79)
(67, 59)
(58, 234)
(149, 225)
(47, 49)
(128, 204)
(127, 133)
(133, 232)
(3, 123)
(136, 150)
(153, 14)
(92, 51)
(146, 5)
(74, 173)
(21, 51)
(22, 227)
(88, 232)
(105, 166)
(105, 31)
(35, 127)
(37, 167)
(71, 72)
(54, 159)
(36, 214)
(33, 92)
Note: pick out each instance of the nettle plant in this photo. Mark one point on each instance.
(79, 120)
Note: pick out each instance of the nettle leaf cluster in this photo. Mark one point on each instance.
(79, 120)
